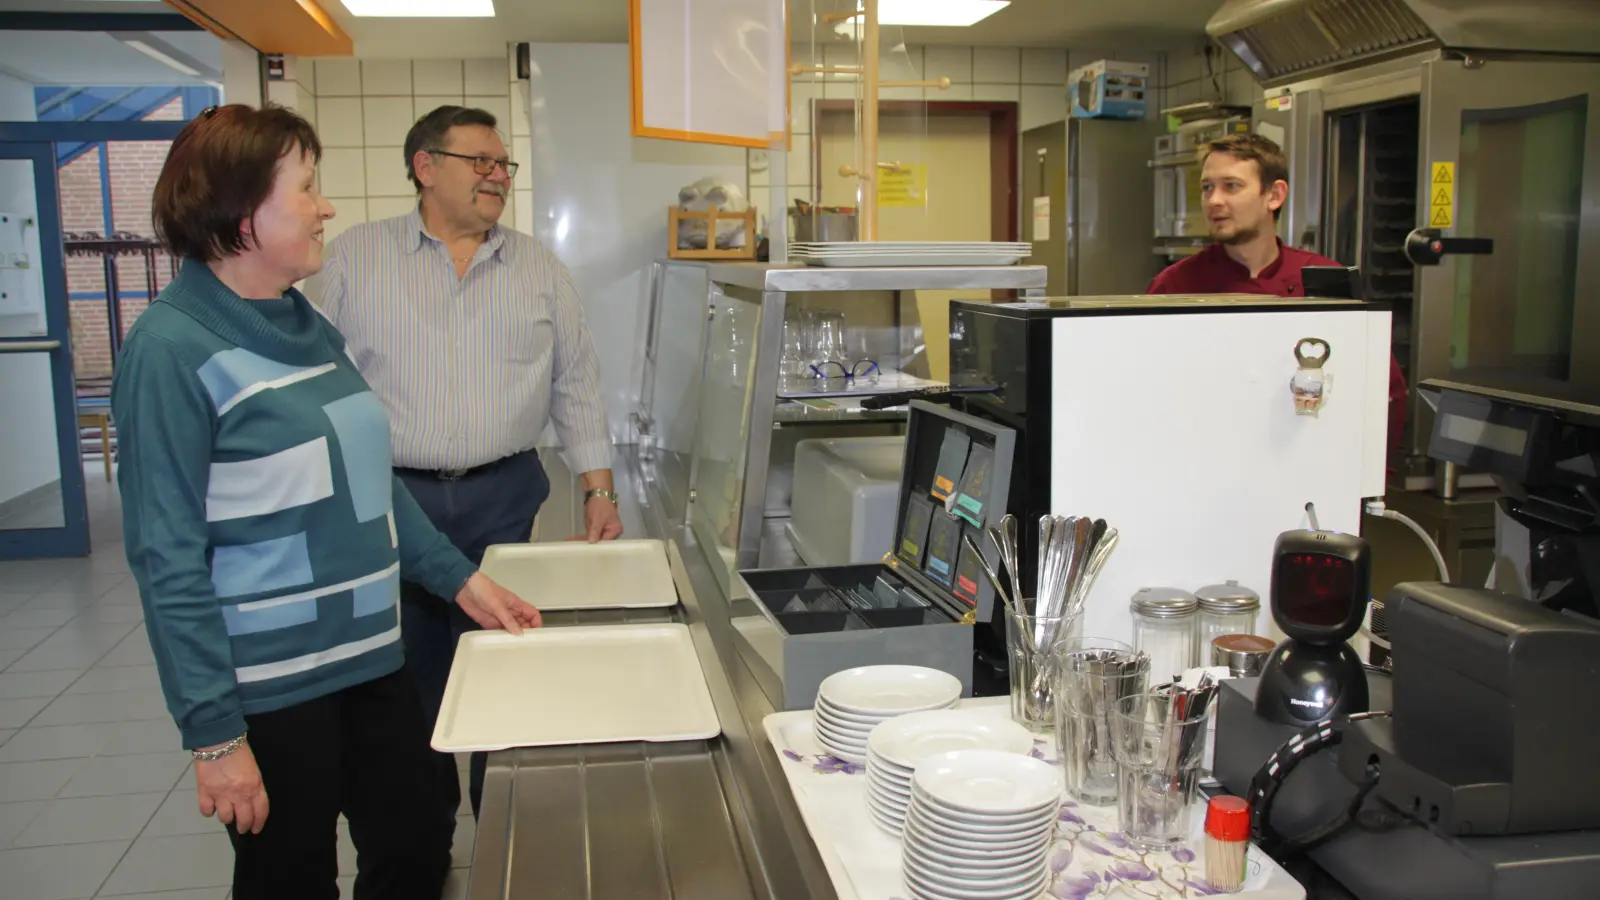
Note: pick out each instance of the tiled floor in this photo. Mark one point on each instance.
(96, 796)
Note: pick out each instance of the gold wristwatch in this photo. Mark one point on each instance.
(600, 492)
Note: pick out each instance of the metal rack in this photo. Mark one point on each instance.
(109, 248)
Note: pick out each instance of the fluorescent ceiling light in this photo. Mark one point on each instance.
(162, 58)
(412, 9)
(948, 13)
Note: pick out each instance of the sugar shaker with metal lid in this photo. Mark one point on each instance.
(1164, 625)
(1227, 608)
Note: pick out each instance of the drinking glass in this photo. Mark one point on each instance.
(1095, 675)
(1031, 643)
(864, 369)
(796, 361)
(828, 343)
(1158, 750)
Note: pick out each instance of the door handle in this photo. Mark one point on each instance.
(1427, 247)
(28, 346)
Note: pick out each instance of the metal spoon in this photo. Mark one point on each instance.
(1008, 553)
(988, 571)
(1091, 571)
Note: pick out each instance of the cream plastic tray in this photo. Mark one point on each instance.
(582, 684)
(576, 575)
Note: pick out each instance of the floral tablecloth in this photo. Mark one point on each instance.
(1090, 858)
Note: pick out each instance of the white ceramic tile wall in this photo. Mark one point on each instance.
(386, 78)
(431, 77)
(522, 151)
(1188, 80)
(348, 211)
(486, 76)
(954, 63)
(386, 173)
(337, 77)
(386, 119)
(996, 65)
(344, 172)
(364, 108)
(304, 74)
(1044, 66)
(306, 104)
(339, 121)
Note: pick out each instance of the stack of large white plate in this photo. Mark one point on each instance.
(980, 826)
(895, 748)
(851, 703)
(862, 254)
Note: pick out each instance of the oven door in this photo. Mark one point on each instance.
(1511, 152)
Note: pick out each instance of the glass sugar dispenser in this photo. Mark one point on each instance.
(1227, 608)
(1165, 628)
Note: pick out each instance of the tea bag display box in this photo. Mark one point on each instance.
(917, 605)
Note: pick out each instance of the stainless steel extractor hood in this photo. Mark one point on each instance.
(1285, 40)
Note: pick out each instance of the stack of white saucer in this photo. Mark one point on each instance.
(980, 826)
(851, 703)
(896, 748)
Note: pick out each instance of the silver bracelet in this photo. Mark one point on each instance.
(219, 752)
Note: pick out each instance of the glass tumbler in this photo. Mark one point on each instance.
(796, 361)
(828, 341)
(1031, 643)
(1095, 675)
(1158, 753)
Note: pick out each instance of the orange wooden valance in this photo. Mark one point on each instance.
(300, 27)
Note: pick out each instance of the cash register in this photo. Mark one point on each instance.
(1474, 773)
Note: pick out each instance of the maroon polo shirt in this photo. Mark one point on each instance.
(1213, 271)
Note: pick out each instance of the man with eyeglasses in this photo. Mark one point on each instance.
(473, 336)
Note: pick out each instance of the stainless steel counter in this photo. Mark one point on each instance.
(696, 819)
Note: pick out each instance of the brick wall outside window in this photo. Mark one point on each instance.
(134, 167)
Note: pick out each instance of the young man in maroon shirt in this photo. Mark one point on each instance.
(1244, 181)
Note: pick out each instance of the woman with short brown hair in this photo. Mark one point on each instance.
(268, 535)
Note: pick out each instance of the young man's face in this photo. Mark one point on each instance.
(1238, 208)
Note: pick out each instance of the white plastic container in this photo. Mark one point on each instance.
(846, 491)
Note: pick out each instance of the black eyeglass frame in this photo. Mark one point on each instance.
(484, 165)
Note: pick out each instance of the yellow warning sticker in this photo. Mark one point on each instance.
(1442, 195)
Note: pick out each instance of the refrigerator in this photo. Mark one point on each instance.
(1088, 205)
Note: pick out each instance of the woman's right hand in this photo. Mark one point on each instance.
(231, 789)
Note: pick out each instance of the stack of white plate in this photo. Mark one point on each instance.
(861, 254)
(980, 826)
(896, 748)
(851, 703)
